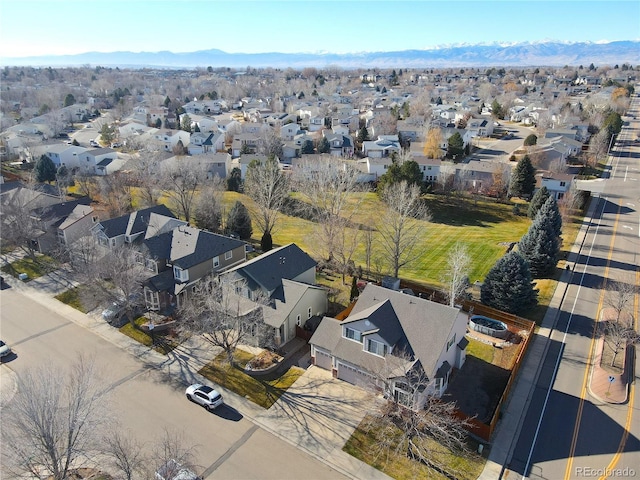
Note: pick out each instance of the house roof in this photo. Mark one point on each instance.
(78, 213)
(410, 324)
(59, 211)
(133, 223)
(269, 269)
(186, 246)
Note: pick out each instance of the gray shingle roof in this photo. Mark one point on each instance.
(268, 269)
(133, 223)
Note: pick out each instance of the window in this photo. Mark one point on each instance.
(216, 261)
(377, 348)
(352, 334)
(451, 342)
(563, 184)
(103, 241)
(309, 313)
(181, 275)
(150, 265)
(228, 255)
(298, 320)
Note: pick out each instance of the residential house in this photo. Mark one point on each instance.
(341, 145)
(384, 146)
(180, 258)
(243, 162)
(558, 184)
(389, 336)
(126, 229)
(67, 155)
(430, 167)
(284, 278)
(206, 142)
(244, 143)
(96, 160)
(478, 176)
(289, 131)
(170, 138)
(375, 167)
(209, 164)
(62, 223)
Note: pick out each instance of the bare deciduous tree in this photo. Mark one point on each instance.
(52, 424)
(223, 317)
(180, 182)
(456, 275)
(171, 455)
(115, 192)
(208, 206)
(402, 224)
(330, 192)
(269, 189)
(619, 331)
(19, 226)
(125, 453)
(413, 423)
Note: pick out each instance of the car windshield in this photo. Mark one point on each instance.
(1, 343)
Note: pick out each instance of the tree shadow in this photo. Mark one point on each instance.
(459, 211)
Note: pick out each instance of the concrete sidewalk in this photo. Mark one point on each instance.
(317, 414)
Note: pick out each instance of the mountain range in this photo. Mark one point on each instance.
(479, 55)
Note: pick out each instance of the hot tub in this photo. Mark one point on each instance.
(488, 326)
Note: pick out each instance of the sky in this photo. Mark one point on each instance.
(58, 27)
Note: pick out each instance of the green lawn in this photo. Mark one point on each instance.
(72, 297)
(262, 392)
(484, 226)
(162, 344)
(33, 267)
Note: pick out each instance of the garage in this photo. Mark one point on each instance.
(323, 360)
(353, 375)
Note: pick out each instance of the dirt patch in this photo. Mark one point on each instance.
(477, 387)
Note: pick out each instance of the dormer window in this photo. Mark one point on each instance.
(352, 334)
(180, 275)
(375, 347)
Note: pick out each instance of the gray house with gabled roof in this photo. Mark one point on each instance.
(180, 258)
(389, 335)
(286, 278)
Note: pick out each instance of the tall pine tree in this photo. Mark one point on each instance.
(508, 286)
(239, 221)
(550, 215)
(540, 247)
(523, 179)
(44, 170)
(537, 201)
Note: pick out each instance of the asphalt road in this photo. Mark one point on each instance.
(501, 149)
(567, 432)
(144, 402)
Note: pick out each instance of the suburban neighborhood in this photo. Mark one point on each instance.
(368, 270)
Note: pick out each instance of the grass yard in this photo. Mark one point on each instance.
(262, 392)
(362, 445)
(163, 344)
(73, 298)
(34, 268)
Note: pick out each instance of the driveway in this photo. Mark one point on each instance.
(318, 413)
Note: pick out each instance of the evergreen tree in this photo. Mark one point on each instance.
(363, 135)
(523, 180)
(410, 171)
(455, 145)
(234, 182)
(324, 146)
(307, 147)
(531, 140)
(537, 201)
(508, 286)
(69, 100)
(496, 109)
(354, 289)
(266, 242)
(549, 213)
(239, 221)
(44, 170)
(540, 247)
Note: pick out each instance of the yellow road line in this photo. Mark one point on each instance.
(585, 380)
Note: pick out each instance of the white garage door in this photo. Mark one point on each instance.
(353, 375)
(323, 360)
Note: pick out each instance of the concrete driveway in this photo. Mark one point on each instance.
(319, 413)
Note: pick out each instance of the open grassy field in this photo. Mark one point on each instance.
(484, 226)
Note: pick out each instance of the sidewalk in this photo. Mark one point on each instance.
(294, 418)
(509, 427)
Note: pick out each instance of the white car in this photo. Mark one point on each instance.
(205, 396)
(4, 349)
